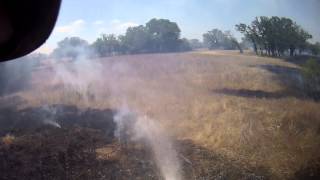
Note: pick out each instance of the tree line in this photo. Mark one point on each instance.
(277, 36)
(272, 36)
(156, 36)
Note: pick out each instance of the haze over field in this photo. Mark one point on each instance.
(167, 90)
(90, 19)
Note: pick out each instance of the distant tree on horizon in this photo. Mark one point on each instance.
(158, 35)
(106, 45)
(217, 39)
(71, 47)
(275, 36)
(195, 44)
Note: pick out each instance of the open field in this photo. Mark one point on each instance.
(231, 116)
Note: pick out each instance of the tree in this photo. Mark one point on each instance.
(216, 39)
(106, 45)
(275, 36)
(195, 44)
(123, 47)
(158, 35)
(250, 33)
(213, 39)
(71, 47)
(164, 34)
(184, 45)
(245, 43)
(137, 39)
(311, 74)
(315, 48)
(232, 41)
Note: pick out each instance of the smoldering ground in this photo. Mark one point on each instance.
(85, 80)
(213, 135)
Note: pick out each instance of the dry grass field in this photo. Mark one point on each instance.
(249, 110)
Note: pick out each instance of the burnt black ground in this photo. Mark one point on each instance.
(42, 151)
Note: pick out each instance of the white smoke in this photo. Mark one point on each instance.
(50, 114)
(52, 123)
(84, 75)
(149, 132)
(79, 76)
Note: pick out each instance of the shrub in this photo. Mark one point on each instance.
(315, 48)
(311, 74)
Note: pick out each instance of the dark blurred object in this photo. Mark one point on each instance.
(25, 25)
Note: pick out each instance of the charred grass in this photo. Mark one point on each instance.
(232, 117)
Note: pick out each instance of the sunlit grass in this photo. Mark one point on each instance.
(278, 133)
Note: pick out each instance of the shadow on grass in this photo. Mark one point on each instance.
(250, 93)
(292, 80)
(254, 93)
(300, 60)
(289, 76)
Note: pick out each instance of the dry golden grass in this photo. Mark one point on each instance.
(276, 130)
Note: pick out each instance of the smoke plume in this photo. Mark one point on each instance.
(147, 131)
(85, 76)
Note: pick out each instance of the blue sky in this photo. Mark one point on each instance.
(90, 18)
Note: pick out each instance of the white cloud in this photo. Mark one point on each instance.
(45, 49)
(115, 21)
(126, 25)
(86, 30)
(119, 27)
(98, 22)
(116, 27)
(71, 28)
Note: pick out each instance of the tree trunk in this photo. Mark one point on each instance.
(292, 51)
(238, 46)
(272, 52)
(254, 46)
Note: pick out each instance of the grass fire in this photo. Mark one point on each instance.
(146, 103)
(170, 116)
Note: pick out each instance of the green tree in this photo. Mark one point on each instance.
(71, 47)
(137, 39)
(275, 36)
(106, 45)
(184, 45)
(315, 48)
(195, 43)
(216, 39)
(250, 33)
(311, 74)
(164, 34)
(158, 35)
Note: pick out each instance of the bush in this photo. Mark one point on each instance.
(315, 49)
(311, 74)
